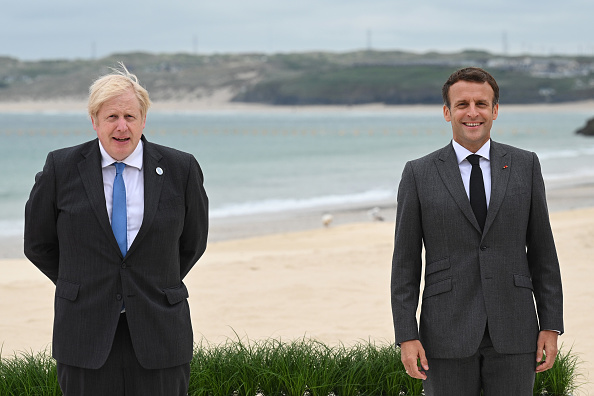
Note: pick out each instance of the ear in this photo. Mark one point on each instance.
(94, 123)
(495, 111)
(446, 113)
(144, 121)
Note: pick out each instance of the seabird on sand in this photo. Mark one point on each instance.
(327, 219)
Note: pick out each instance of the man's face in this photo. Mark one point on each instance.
(471, 113)
(119, 125)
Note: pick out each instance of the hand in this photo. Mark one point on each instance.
(547, 341)
(410, 352)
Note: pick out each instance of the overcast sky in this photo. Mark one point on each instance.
(57, 29)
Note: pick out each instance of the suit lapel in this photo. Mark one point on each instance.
(449, 171)
(153, 182)
(92, 178)
(500, 171)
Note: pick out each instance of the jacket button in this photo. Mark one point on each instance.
(483, 248)
(118, 297)
(123, 265)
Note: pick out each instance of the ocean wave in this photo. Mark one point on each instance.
(568, 153)
(576, 177)
(11, 228)
(282, 205)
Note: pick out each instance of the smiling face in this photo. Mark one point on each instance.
(471, 113)
(119, 124)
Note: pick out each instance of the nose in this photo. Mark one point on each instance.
(472, 111)
(122, 124)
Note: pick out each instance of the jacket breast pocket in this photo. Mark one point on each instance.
(171, 203)
(170, 216)
(176, 294)
(517, 191)
(67, 290)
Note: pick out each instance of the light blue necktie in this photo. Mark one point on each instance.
(118, 214)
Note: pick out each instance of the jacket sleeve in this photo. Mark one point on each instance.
(41, 237)
(542, 258)
(193, 239)
(406, 261)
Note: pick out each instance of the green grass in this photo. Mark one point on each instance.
(563, 379)
(29, 374)
(354, 84)
(277, 368)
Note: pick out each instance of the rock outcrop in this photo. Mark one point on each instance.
(588, 129)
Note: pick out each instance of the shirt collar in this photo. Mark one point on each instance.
(463, 152)
(134, 159)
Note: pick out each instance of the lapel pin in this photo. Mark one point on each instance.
(504, 166)
(159, 171)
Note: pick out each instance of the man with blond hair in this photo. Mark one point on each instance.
(116, 224)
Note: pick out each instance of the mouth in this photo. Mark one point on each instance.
(124, 139)
(473, 124)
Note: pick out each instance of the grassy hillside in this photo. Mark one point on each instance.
(353, 85)
(305, 78)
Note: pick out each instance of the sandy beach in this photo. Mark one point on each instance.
(331, 284)
(221, 101)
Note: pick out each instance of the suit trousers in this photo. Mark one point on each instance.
(494, 373)
(122, 374)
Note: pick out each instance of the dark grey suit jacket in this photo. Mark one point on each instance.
(472, 278)
(69, 238)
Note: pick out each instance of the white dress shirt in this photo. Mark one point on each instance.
(134, 181)
(466, 167)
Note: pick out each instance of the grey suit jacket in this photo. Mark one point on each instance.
(69, 238)
(473, 278)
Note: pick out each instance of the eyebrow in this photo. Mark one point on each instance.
(478, 101)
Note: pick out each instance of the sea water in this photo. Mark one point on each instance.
(257, 162)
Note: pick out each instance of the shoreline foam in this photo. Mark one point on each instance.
(559, 197)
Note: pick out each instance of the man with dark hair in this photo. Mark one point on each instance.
(116, 224)
(470, 74)
(479, 210)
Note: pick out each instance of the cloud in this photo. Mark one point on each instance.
(74, 29)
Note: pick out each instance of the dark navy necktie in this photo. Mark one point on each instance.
(118, 214)
(478, 199)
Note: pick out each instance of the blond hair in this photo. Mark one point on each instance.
(113, 85)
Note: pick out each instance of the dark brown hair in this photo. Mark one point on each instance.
(472, 74)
